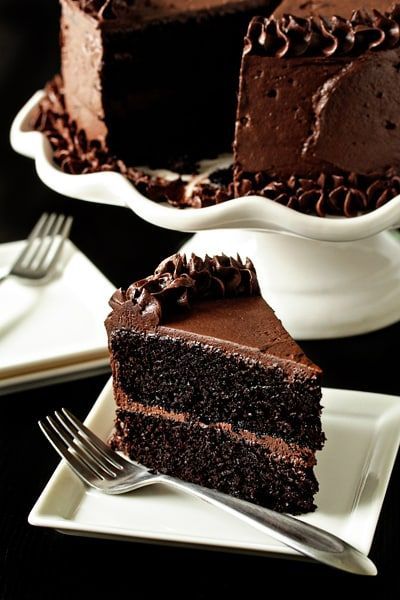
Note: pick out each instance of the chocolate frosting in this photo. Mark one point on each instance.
(348, 194)
(345, 8)
(291, 35)
(228, 311)
(177, 282)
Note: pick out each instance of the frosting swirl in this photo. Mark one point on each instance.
(291, 36)
(343, 194)
(177, 282)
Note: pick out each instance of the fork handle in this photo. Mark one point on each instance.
(303, 537)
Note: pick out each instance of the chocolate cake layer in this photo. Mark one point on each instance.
(267, 472)
(154, 81)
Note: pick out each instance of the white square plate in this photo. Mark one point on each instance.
(52, 329)
(363, 432)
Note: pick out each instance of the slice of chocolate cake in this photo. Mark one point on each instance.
(210, 387)
(318, 123)
(155, 80)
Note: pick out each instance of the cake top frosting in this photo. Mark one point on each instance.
(227, 308)
(344, 8)
(178, 281)
(291, 35)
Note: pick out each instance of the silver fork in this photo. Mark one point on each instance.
(105, 470)
(42, 249)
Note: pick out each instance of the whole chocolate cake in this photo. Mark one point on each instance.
(318, 124)
(210, 387)
(155, 84)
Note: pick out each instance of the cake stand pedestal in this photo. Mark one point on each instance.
(325, 277)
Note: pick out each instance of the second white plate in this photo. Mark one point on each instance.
(53, 329)
(363, 432)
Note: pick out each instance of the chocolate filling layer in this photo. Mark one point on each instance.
(277, 447)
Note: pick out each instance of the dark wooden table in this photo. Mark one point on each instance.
(38, 563)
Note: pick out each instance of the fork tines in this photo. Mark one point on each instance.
(43, 246)
(85, 453)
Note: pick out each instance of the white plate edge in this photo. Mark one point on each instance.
(37, 518)
(77, 358)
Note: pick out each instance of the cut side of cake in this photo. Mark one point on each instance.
(209, 386)
(153, 81)
(318, 123)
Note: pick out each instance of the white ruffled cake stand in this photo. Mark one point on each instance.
(325, 277)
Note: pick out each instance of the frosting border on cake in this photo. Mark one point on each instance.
(177, 281)
(322, 36)
(347, 194)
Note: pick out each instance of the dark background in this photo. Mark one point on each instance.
(38, 563)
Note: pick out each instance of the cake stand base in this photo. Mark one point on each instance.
(318, 289)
